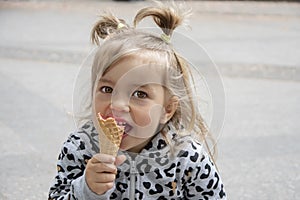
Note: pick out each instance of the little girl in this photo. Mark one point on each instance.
(139, 80)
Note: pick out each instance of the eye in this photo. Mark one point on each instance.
(106, 89)
(140, 94)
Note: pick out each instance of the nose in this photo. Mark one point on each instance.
(119, 105)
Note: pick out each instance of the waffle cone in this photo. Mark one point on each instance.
(110, 136)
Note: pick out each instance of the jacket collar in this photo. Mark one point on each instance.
(157, 144)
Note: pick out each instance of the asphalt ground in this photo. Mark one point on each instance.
(254, 44)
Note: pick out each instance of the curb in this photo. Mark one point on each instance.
(287, 73)
(58, 56)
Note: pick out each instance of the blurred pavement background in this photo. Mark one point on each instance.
(256, 46)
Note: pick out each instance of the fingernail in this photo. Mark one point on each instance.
(113, 159)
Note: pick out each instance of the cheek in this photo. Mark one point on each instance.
(98, 107)
(144, 120)
(100, 104)
(148, 117)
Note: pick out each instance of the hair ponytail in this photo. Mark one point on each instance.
(107, 25)
(168, 18)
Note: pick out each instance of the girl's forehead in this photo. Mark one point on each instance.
(141, 58)
(137, 69)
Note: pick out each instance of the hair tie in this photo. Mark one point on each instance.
(120, 25)
(165, 38)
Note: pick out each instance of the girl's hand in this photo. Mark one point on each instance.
(101, 172)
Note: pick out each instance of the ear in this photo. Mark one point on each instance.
(170, 108)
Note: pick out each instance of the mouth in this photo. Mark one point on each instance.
(127, 127)
(122, 123)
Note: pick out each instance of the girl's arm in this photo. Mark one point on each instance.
(203, 180)
(70, 183)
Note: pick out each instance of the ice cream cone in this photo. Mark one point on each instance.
(110, 135)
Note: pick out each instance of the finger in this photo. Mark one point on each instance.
(104, 167)
(103, 158)
(105, 178)
(120, 159)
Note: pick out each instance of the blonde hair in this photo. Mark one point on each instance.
(123, 40)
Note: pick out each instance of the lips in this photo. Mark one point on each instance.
(124, 136)
(126, 126)
(123, 123)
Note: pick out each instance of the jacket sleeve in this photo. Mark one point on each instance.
(203, 180)
(69, 182)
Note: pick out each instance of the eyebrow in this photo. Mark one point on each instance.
(146, 86)
(104, 80)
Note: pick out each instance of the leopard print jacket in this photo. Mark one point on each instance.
(158, 172)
